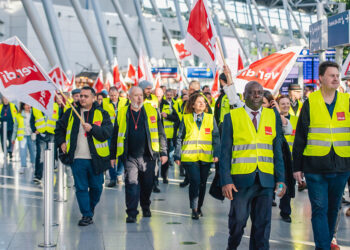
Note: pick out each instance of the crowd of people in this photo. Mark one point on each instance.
(260, 146)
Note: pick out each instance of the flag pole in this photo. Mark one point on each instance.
(75, 111)
(223, 58)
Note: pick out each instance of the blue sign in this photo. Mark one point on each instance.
(165, 72)
(193, 72)
(338, 29)
(318, 36)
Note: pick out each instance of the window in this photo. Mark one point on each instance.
(113, 41)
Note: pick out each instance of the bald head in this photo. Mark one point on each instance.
(136, 97)
(253, 95)
(193, 87)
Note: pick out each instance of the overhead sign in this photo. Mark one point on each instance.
(318, 36)
(195, 72)
(165, 72)
(338, 29)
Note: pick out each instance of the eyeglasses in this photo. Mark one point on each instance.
(84, 96)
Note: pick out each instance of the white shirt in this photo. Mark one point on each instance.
(249, 111)
(82, 151)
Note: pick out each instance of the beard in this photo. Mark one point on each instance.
(136, 106)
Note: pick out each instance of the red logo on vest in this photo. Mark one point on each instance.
(153, 119)
(98, 123)
(293, 133)
(341, 116)
(268, 131)
(207, 131)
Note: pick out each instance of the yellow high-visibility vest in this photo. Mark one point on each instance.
(43, 126)
(198, 143)
(326, 131)
(20, 128)
(291, 111)
(13, 110)
(290, 138)
(252, 149)
(154, 101)
(152, 121)
(224, 108)
(168, 125)
(102, 148)
(108, 106)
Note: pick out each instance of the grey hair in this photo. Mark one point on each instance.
(134, 87)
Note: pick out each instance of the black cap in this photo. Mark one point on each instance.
(294, 86)
(75, 91)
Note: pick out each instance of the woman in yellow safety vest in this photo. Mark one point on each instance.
(197, 147)
(25, 136)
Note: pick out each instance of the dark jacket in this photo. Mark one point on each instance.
(182, 134)
(246, 180)
(101, 133)
(173, 117)
(154, 155)
(330, 163)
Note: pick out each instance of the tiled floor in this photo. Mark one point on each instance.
(21, 220)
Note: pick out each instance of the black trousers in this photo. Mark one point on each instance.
(139, 176)
(254, 201)
(197, 173)
(42, 143)
(285, 205)
(165, 166)
(8, 143)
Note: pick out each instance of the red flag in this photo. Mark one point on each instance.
(23, 79)
(201, 35)
(72, 84)
(240, 63)
(116, 73)
(158, 81)
(180, 49)
(131, 74)
(98, 85)
(215, 89)
(346, 67)
(143, 68)
(59, 77)
(270, 71)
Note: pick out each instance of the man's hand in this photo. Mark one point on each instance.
(227, 73)
(215, 159)
(64, 147)
(227, 191)
(113, 163)
(178, 162)
(298, 176)
(37, 132)
(164, 115)
(280, 195)
(87, 127)
(163, 159)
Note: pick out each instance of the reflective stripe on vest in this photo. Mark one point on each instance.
(21, 128)
(152, 121)
(326, 131)
(252, 148)
(168, 125)
(198, 143)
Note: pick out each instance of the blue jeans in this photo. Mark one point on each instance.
(116, 171)
(325, 193)
(27, 143)
(88, 186)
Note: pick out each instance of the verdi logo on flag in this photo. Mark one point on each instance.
(270, 71)
(59, 77)
(22, 78)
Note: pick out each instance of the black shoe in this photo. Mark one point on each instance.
(156, 189)
(165, 180)
(184, 184)
(195, 215)
(199, 211)
(85, 221)
(130, 219)
(36, 180)
(274, 204)
(286, 218)
(112, 184)
(146, 213)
